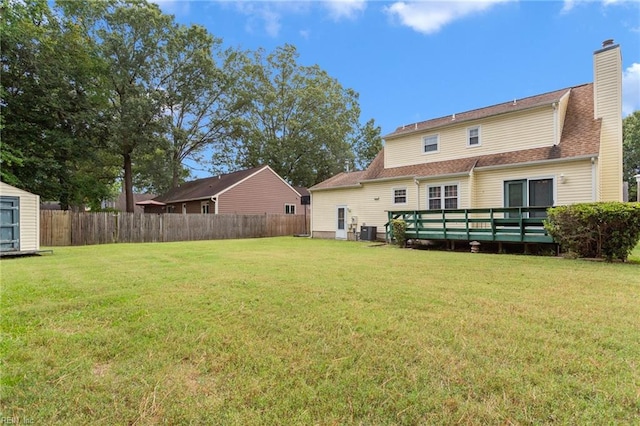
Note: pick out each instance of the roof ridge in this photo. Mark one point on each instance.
(418, 123)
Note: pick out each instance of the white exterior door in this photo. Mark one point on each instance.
(341, 222)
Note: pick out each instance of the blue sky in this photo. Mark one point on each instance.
(412, 61)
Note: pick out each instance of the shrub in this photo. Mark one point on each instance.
(605, 230)
(399, 230)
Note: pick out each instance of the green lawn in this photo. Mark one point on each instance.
(298, 331)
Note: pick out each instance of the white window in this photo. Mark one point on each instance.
(289, 209)
(442, 197)
(400, 196)
(473, 136)
(204, 207)
(430, 144)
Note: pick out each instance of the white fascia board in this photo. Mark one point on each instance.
(445, 176)
(311, 190)
(388, 179)
(538, 162)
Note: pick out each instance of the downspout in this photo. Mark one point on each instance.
(594, 180)
(215, 204)
(310, 214)
(417, 182)
(472, 185)
(555, 123)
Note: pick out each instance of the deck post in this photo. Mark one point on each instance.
(466, 222)
(444, 223)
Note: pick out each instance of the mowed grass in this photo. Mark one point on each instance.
(298, 331)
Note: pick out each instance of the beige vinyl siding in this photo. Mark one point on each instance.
(608, 107)
(371, 202)
(29, 216)
(489, 184)
(504, 133)
(263, 192)
(562, 113)
(463, 190)
(368, 203)
(323, 208)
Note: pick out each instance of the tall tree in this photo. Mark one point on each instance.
(299, 120)
(51, 92)
(202, 99)
(366, 144)
(169, 98)
(131, 37)
(631, 151)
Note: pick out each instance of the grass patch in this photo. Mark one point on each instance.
(298, 331)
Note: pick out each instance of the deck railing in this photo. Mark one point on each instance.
(514, 224)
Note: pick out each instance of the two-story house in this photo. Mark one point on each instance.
(555, 148)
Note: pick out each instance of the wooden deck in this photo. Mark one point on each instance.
(516, 225)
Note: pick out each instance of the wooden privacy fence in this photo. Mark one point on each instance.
(64, 228)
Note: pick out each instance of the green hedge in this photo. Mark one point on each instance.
(603, 230)
(399, 229)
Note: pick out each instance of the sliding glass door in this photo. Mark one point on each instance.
(529, 193)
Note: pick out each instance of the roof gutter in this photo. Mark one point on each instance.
(357, 185)
(446, 176)
(186, 200)
(538, 162)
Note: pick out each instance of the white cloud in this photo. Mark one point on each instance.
(631, 89)
(267, 15)
(568, 5)
(305, 34)
(430, 17)
(349, 9)
(174, 7)
(264, 15)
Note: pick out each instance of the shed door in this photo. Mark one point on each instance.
(9, 224)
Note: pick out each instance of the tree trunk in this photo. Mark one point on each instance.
(128, 181)
(175, 170)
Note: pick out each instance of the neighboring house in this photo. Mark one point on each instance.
(19, 221)
(120, 203)
(555, 148)
(254, 191)
(305, 199)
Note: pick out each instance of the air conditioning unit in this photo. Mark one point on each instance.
(368, 233)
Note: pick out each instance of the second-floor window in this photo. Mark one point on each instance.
(430, 144)
(442, 197)
(473, 136)
(400, 196)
